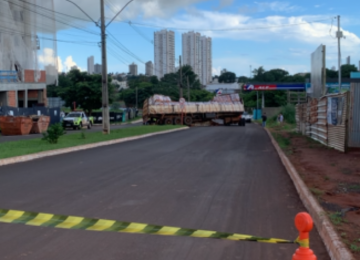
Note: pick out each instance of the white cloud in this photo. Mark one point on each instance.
(294, 29)
(47, 57)
(60, 64)
(216, 71)
(276, 6)
(69, 62)
(139, 8)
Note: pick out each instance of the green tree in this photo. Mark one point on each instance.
(84, 89)
(347, 69)
(227, 77)
(243, 79)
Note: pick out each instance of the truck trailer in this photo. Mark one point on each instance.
(161, 110)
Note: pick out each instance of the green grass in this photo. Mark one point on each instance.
(281, 140)
(336, 218)
(24, 147)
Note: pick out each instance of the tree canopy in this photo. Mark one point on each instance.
(227, 77)
(168, 86)
(82, 88)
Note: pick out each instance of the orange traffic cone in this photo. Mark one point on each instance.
(304, 224)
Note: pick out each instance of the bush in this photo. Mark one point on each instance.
(53, 133)
(289, 113)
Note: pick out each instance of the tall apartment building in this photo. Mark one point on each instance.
(133, 69)
(206, 74)
(164, 50)
(197, 52)
(149, 68)
(97, 69)
(90, 65)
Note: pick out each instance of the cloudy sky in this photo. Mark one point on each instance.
(275, 34)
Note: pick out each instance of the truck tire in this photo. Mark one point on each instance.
(177, 121)
(168, 121)
(188, 120)
(242, 122)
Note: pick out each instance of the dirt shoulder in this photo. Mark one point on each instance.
(333, 177)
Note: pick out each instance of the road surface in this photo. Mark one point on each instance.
(95, 128)
(226, 179)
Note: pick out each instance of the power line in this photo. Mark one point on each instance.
(52, 18)
(11, 32)
(49, 10)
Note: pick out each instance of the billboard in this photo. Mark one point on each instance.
(264, 86)
(318, 73)
(332, 88)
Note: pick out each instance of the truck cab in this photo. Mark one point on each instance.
(77, 120)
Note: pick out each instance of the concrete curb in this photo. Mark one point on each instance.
(40, 155)
(335, 247)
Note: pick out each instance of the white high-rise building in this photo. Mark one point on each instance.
(191, 51)
(206, 60)
(90, 65)
(164, 50)
(197, 52)
(133, 69)
(149, 68)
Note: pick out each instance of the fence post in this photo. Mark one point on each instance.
(304, 225)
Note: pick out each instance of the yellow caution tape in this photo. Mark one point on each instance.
(73, 222)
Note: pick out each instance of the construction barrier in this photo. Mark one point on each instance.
(303, 223)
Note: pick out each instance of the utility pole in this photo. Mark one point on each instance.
(263, 100)
(136, 97)
(105, 94)
(188, 88)
(180, 85)
(339, 35)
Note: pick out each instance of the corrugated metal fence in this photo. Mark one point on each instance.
(325, 120)
(354, 117)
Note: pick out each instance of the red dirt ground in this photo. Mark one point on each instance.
(333, 177)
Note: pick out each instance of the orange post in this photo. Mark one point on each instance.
(304, 224)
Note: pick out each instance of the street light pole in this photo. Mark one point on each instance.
(105, 91)
(339, 35)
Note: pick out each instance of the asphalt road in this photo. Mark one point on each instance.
(226, 179)
(95, 128)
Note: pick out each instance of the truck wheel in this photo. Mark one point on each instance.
(168, 121)
(188, 120)
(89, 125)
(177, 121)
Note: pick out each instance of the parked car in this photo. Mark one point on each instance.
(77, 120)
(248, 117)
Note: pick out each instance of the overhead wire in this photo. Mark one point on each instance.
(52, 18)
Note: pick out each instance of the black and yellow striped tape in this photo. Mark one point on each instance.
(73, 222)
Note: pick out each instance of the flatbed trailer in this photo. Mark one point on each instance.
(160, 110)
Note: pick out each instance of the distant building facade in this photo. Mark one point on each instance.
(149, 68)
(97, 69)
(90, 65)
(197, 52)
(164, 52)
(133, 69)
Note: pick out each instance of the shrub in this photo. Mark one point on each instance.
(289, 113)
(53, 133)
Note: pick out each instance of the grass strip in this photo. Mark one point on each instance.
(25, 147)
